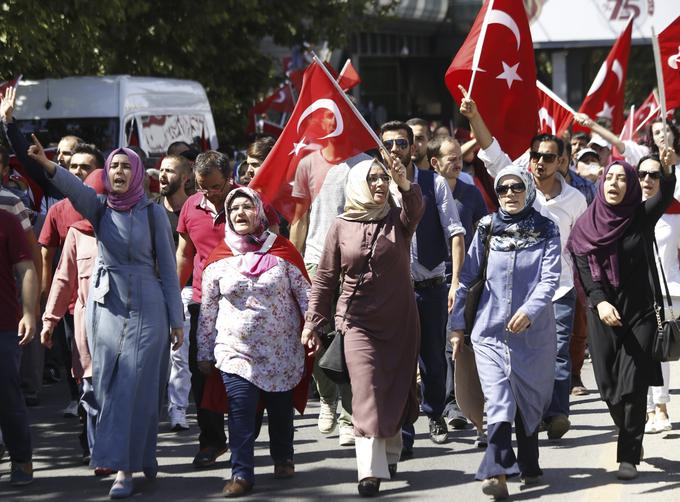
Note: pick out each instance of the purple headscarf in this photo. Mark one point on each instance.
(598, 230)
(135, 192)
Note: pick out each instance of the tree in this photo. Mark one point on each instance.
(216, 42)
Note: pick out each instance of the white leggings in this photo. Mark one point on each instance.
(374, 455)
(659, 395)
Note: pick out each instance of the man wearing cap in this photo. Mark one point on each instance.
(588, 165)
(602, 147)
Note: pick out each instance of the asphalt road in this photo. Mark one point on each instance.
(581, 466)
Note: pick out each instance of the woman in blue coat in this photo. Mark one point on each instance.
(514, 331)
(133, 312)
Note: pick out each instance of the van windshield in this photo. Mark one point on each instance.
(103, 132)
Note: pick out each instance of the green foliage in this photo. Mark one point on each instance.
(217, 42)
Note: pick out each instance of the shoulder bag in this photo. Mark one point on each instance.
(332, 362)
(666, 345)
(476, 288)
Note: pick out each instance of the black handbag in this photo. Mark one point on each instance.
(667, 340)
(476, 288)
(333, 362)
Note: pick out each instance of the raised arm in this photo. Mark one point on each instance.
(586, 121)
(31, 168)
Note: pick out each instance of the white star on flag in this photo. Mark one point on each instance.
(509, 74)
(297, 147)
(606, 112)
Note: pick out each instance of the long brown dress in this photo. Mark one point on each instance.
(382, 331)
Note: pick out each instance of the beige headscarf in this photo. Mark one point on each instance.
(359, 205)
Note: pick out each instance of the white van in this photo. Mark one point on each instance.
(117, 110)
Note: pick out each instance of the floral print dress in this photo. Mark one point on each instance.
(250, 325)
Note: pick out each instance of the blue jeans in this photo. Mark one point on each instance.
(432, 311)
(564, 320)
(13, 414)
(244, 398)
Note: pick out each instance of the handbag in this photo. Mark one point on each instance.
(666, 345)
(476, 288)
(332, 361)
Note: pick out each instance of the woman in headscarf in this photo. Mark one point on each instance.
(72, 275)
(513, 336)
(254, 295)
(133, 311)
(612, 248)
(381, 328)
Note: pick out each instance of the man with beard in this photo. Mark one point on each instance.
(174, 174)
(439, 226)
(563, 204)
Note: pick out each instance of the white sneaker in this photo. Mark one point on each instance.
(328, 417)
(663, 424)
(71, 410)
(346, 437)
(650, 427)
(178, 419)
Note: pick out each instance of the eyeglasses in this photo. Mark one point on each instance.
(401, 143)
(373, 178)
(213, 189)
(514, 188)
(655, 175)
(547, 157)
(242, 207)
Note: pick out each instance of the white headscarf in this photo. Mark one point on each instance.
(359, 203)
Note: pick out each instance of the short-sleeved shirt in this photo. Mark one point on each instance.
(324, 185)
(13, 205)
(205, 227)
(13, 249)
(59, 218)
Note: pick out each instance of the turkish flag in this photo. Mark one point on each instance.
(554, 115)
(348, 77)
(648, 110)
(280, 100)
(496, 64)
(324, 123)
(605, 97)
(669, 45)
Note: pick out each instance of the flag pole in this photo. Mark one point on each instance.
(478, 48)
(660, 83)
(351, 105)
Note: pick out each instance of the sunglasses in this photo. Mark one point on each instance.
(514, 188)
(655, 175)
(547, 157)
(401, 143)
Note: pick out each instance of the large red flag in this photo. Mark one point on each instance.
(669, 45)
(554, 115)
(605, 97)
(496, 64)
(348, 77)
(324, 123)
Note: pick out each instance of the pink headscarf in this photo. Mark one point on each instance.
(135, 192)
(251, 256)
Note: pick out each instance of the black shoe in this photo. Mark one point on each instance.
(392, 468)
(455, 418)
(439, 434)
(406, 452)
(369, 487)
(31, 399)
(207, 457)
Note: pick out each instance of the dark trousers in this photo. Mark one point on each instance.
(579, 337)
(499, 457)
(211, 423)
(13, 414)
(244, 398)
(432, 311)
(629, 416)
(564, 321)
(66, 354)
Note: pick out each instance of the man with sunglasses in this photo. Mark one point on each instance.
(439, 228)
(562, 203)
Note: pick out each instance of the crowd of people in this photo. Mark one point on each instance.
(204, 291)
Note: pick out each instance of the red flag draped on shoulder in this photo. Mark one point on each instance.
(554, 115)
(669, 45)
(605, 97)
(496, 64)
(325, 123)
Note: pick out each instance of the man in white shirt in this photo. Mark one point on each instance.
(563, 204)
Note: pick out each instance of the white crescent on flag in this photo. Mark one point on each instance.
(618, 71)
(499, 17)
(544, 117)
(329, 105)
